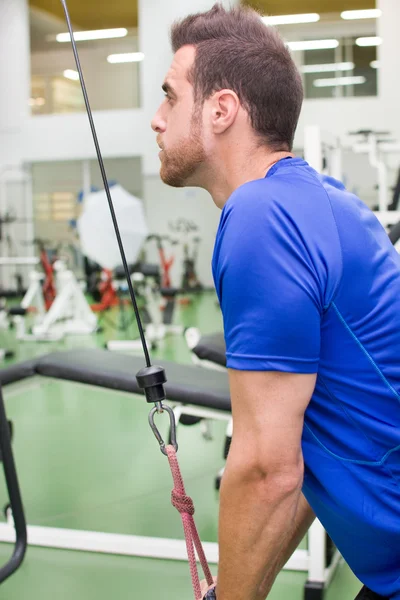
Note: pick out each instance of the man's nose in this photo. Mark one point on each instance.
(158, 123)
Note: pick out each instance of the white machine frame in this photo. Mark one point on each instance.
(70, 313)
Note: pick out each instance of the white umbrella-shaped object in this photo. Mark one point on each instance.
(96, 230)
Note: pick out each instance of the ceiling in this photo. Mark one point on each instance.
(293, 7)
(92, 14)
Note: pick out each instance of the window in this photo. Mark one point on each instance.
(348, 70)
(112, 79)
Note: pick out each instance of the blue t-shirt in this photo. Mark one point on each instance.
(309, 282)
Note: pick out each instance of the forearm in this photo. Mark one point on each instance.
(303, 521)
(256, 532)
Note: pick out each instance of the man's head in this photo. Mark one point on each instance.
(232, 78)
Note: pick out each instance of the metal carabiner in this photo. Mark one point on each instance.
(154, 428)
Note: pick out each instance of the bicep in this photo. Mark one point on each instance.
(268, 414)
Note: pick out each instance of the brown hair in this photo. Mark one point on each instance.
(237, 51)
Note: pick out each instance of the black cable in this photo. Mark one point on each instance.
(106, 187)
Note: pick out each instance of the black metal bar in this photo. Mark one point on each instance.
(14, 495)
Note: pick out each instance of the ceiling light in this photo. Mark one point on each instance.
(335, 81)
(99, 34)
(37, 101)
(372, 13)
(291, 19)
(313, 45)
(368, 41)
(70, 74)
(127, 57)
(375, 64)
(327, 68)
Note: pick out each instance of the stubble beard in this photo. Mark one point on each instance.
(179, 165)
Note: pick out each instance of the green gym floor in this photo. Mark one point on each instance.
(87, 459)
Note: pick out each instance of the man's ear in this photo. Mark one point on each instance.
(225, 108)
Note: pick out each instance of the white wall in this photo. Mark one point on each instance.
(63, 137)
(165, 205)
(14, 64)
(339, 116)
(388, 53)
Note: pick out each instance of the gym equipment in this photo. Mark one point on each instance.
(376, 145)
(165, 263)
(19, 533)
(208, 350)
(96, 230)
(396, 194)
(69, 313)
(106, 291)
(190, 280)
(17, 261)
(394, 233)
(33, 300)
(48, 289)
(16, 216)
(167, 291)
(156, 312)
(4, 354)
(323, 151)
(192, 393)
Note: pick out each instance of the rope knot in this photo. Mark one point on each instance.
(183, 503)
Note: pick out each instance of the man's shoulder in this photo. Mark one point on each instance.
(292, 196)
(290, 189)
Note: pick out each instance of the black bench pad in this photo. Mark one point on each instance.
(186, 384)
(212, 347)
(18, 372)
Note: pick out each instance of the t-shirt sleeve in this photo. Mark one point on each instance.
(270, 287)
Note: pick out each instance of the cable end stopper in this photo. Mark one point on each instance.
(151, 380)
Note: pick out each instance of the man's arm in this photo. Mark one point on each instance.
(261, 504)
(303, 521)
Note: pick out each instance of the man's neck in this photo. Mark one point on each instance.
(230, 173)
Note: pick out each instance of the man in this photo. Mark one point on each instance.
(309, 286)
